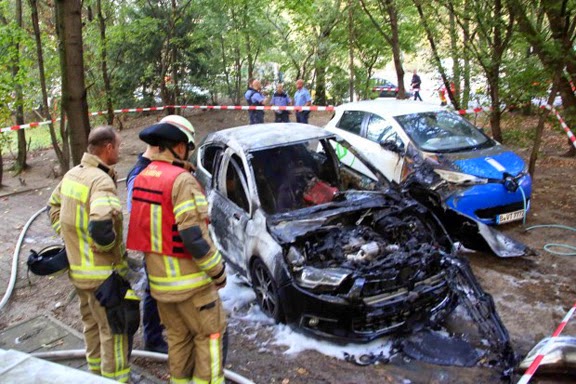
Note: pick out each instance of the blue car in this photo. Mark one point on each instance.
(473, 173)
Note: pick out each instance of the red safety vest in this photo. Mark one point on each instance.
(152, 227)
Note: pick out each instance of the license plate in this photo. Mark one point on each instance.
(510, 216)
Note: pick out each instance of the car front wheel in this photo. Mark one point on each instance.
(266, 291)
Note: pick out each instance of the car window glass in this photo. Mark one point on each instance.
(236, 187)
(443, 131)
(210, 156)
(351, 121)
(378, 128)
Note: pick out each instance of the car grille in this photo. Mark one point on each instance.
(490, 213)
(403, 310)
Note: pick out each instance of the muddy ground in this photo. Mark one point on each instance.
(532, 294)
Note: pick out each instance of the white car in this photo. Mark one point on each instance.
(475, 174)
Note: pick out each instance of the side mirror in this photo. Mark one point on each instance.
(393, 146)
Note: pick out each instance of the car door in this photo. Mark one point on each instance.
(230, 208)
(378, 131)
(207, 161)
(350, 128)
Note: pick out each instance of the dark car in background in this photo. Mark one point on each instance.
(385, 88)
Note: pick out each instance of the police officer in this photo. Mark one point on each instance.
(255, 97)
(85, 209)
(281, 99)
(168, 223)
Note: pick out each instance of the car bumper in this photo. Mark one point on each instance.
(340, 319)
(486, 202)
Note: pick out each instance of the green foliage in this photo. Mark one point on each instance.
(519, 137)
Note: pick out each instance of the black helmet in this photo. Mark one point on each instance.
(172, 128)
(49, 260)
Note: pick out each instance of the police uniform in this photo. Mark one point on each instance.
(85, 210)
(255, 98)
(168, 223)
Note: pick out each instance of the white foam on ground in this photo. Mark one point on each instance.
(239, 302)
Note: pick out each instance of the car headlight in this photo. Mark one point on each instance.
(460, 178)
(310, 277)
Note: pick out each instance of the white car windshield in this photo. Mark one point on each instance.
(442, 131)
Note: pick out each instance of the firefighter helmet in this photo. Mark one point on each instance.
(172, 128)
(49, 260)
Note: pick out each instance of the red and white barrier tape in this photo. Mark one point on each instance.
(562, 123)
(380, 89)
(215, 107)
(534, 366)
(267, 108)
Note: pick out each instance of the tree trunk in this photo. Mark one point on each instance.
(456, 71)
(466, 33)
(553, 63)
(104, 63)
(436, 55)
(21, 157)
(64, 162)
(1, 167)
(495, 114)
(351, 50)
(74, 102)
(393, 15)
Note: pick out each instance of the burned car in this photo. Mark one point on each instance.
(338, 253)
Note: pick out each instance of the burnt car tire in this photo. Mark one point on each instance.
(266, 291)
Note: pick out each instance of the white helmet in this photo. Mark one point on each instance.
(183, 124)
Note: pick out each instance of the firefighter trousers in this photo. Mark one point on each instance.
(194, 340)
(106, 353)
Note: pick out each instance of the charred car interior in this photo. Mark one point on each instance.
(330, 250)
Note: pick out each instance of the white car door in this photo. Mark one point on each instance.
(365, 131)
(377, 131)
(349, 127)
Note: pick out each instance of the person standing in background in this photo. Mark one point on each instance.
(281, 99)
(416, 82)
(254, 97)
(302, 98)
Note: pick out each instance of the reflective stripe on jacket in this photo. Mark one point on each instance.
(87, 195)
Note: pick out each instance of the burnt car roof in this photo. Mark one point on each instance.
(260, 136)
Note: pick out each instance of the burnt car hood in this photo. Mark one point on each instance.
(288, 226)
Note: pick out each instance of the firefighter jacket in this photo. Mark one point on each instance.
(168, 222)
(85, 210)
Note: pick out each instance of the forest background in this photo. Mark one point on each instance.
(64, 58)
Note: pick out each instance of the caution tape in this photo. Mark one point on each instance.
(380, 89)
(266, 108)
(203, 107)
(534, 366)
(562, 123)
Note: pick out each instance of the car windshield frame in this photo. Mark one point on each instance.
(442, 132)
(332, 144)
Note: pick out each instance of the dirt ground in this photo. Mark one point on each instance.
(532, 294)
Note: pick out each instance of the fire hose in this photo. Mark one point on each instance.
(80, 353)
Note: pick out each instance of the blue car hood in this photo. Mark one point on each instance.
(490, 163)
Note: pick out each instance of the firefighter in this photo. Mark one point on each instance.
(168, 222)
(85, 210)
